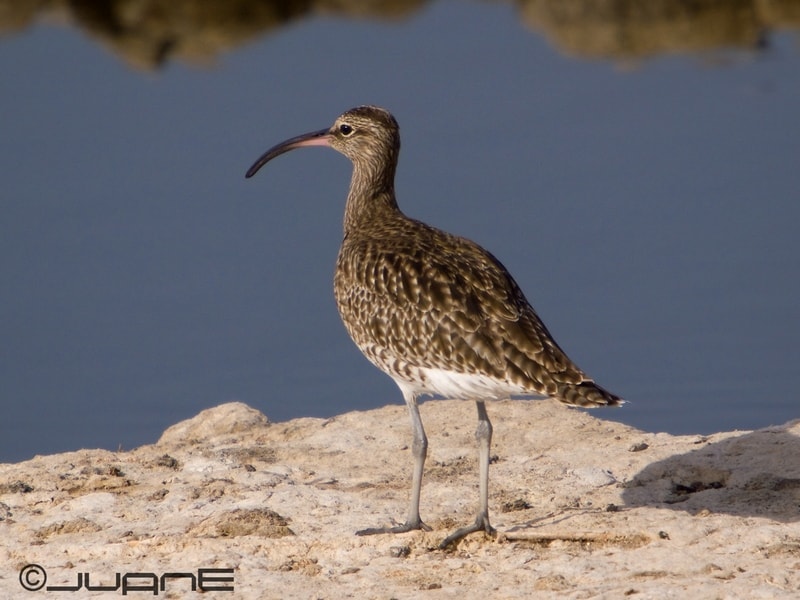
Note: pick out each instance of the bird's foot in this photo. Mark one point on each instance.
(481, 524)
(410, 525)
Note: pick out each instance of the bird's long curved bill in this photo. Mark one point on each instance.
(315, 138)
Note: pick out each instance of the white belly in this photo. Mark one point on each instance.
(458, 385)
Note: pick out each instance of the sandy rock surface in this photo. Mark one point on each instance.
(585, 509)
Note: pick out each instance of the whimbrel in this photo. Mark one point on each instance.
(436, 312)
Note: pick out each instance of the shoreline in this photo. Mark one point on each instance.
(584, 508)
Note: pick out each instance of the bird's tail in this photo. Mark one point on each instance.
(587, 394)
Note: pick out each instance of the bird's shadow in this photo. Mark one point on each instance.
(756, 474)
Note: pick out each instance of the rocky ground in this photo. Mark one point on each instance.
(585, 509)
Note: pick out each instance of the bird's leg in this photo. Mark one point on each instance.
(484, 436)
(419, 450)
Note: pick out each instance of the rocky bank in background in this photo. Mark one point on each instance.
(148, 34)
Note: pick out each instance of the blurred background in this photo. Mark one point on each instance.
(635, 165)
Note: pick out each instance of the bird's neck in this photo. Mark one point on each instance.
(371, 196)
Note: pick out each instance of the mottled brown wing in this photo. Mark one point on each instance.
(441, 301)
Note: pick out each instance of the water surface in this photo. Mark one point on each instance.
(642, 188)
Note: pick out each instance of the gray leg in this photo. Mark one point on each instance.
(419, 450)
(484, 436)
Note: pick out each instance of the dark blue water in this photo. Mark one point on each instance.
(649, 213)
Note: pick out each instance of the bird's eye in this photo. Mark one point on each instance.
(345, 129)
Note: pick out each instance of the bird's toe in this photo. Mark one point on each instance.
(413, 525)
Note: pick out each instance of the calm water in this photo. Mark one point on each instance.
(648, 206)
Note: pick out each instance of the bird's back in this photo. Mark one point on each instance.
(441, 315)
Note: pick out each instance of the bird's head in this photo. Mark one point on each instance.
(367, 135)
